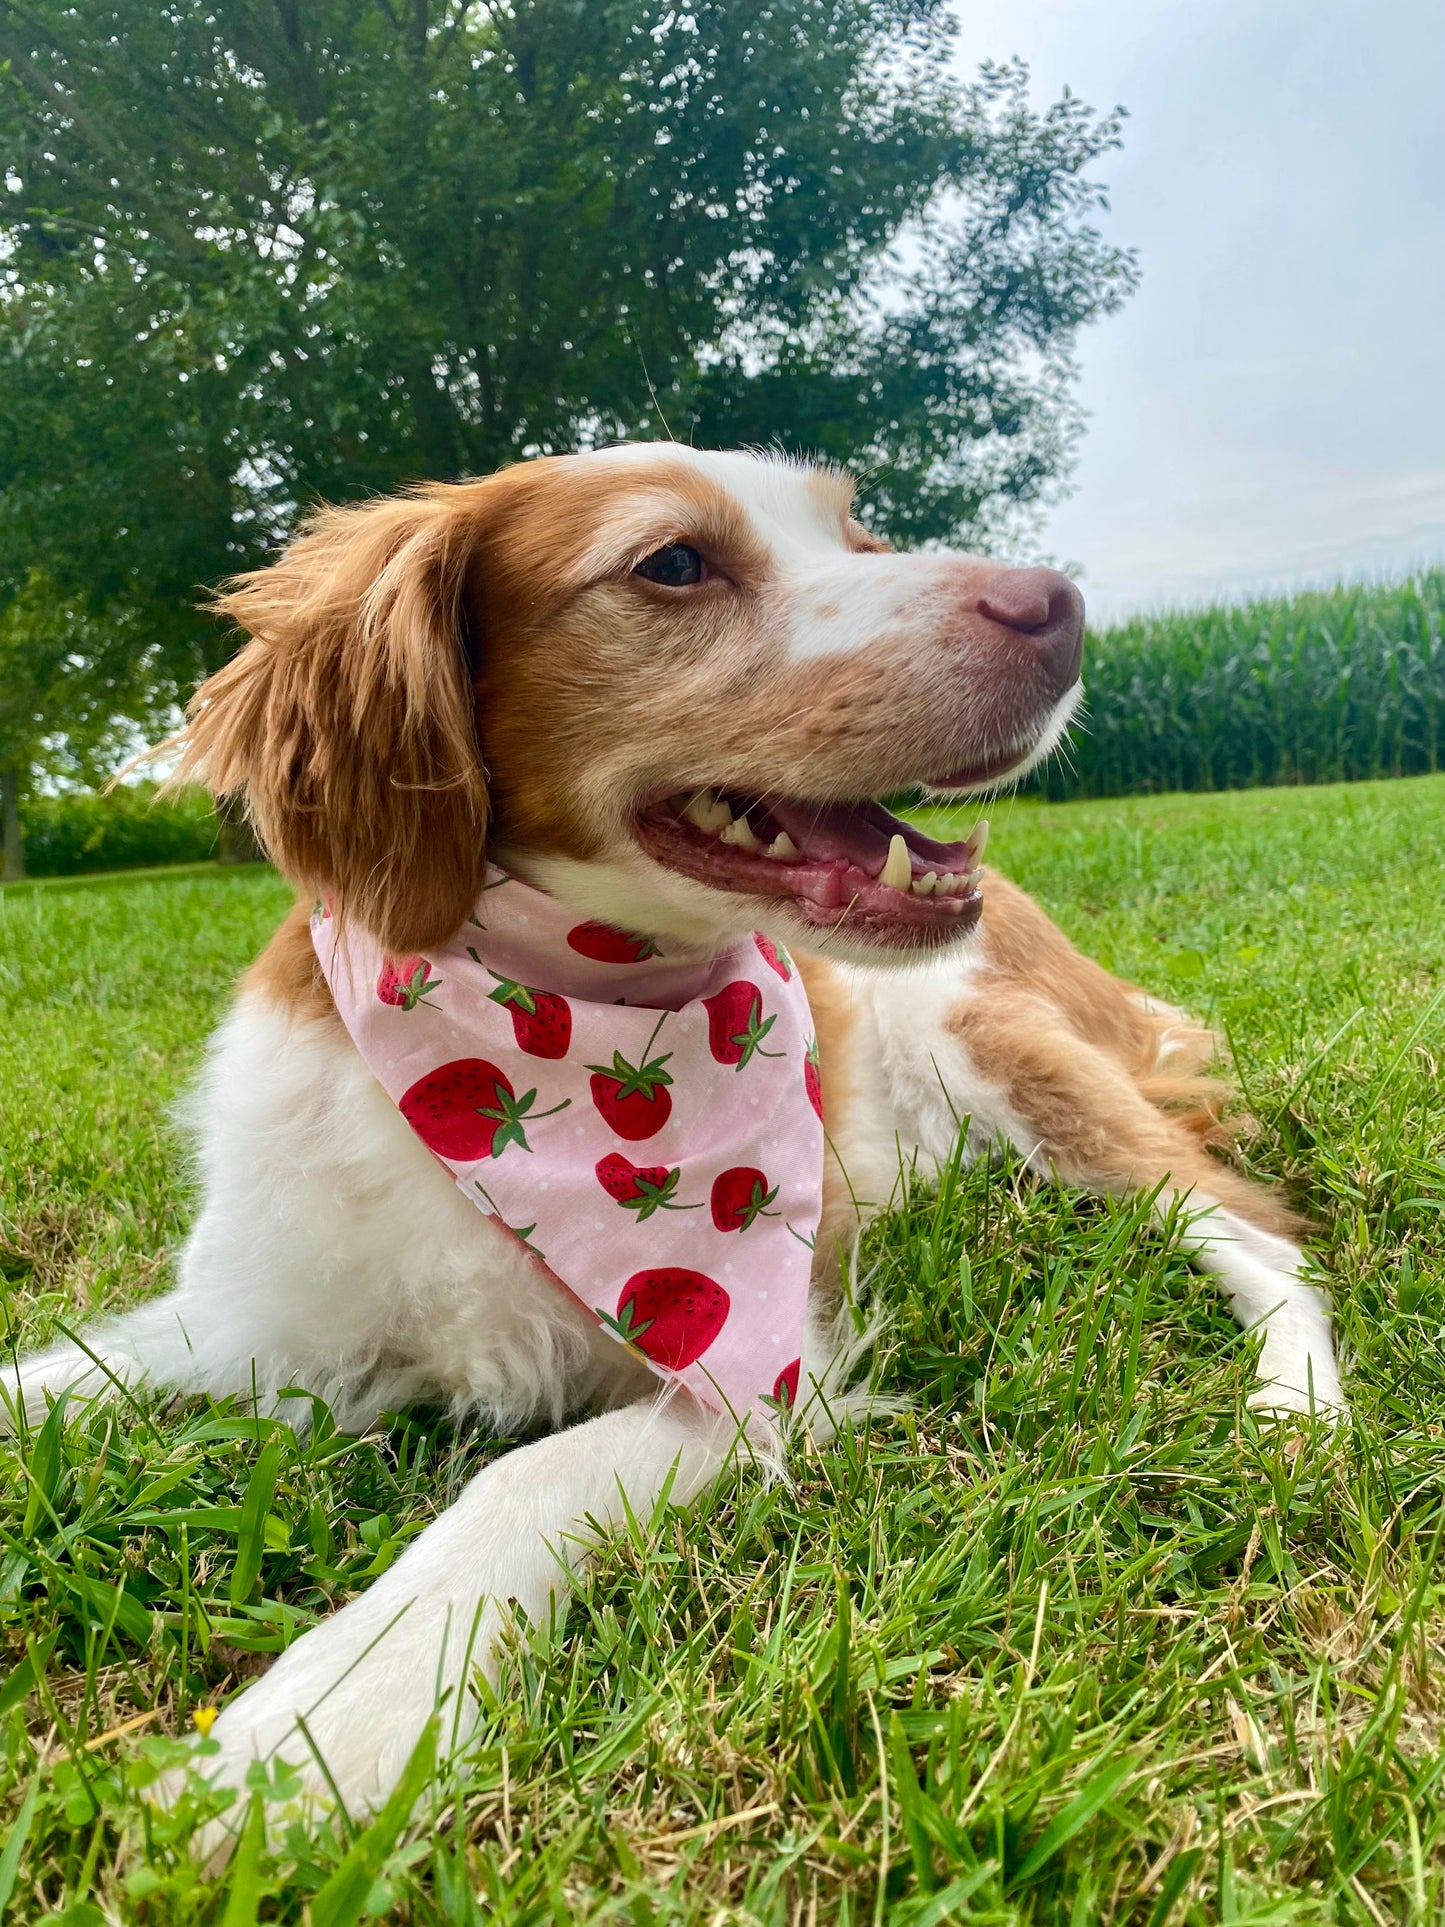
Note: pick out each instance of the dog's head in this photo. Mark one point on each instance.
(667, 686)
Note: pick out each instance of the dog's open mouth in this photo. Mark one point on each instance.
(853, 866)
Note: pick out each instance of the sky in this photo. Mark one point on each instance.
(1268, 410)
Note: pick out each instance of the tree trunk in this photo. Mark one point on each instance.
(12, 862)
(236, 841)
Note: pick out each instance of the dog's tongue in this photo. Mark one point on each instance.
(858, 833)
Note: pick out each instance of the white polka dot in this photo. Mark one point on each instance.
(542, 1184)
(762, 1294)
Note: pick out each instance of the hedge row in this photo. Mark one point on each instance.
(123, 830)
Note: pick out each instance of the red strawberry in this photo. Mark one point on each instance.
(541, 1020)
(813, 1078)
(633, 1099)
(774, 955)
(468, 1109)
(405, 981)
(671, 1315)
(603, 944)
(740, 1196)
(640, 1188)
(733, 1029)
(785, 1386)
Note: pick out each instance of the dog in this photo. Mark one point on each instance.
(664, 688)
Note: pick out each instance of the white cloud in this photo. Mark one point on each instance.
(1270, 408)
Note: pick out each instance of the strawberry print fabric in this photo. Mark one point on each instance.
(650, 1128)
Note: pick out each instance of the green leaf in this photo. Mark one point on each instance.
(1077, 1814)
(15, 1845)
(243, 1890)
(21, 1679)
(1186, 964)
(343, 1898)
(44, 1467)
(251, 1536)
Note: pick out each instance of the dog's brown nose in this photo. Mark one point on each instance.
(1046, 607)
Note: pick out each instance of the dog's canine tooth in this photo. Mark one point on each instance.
(897, 872)
(784, 848)
(977, 839)
(740, 834)
(925, 885)
(708, 813)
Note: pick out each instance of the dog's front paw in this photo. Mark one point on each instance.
(341, 1713)
(1299, 1383)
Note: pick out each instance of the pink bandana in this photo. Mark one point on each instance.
(651, 1131)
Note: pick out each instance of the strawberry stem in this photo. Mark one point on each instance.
(751, 1039)
(509, 1112)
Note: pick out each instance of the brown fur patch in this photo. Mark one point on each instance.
(836, 1039)
(863, 541)
(1087, 1067)
(347, 721)
(287, 973)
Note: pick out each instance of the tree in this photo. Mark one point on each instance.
(76, 690)
(259, 252)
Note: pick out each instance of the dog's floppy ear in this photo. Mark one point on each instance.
(347, 721)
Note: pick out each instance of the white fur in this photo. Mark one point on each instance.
(366, 1682)
(1265, 1279)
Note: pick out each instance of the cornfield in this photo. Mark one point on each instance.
(1320, 687)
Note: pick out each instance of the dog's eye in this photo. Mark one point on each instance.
(675, 567)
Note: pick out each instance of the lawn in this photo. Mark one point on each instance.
(1074, 1639)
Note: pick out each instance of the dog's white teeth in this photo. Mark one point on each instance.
(897, 872)
(708, 813)
(925, 885)
(784, 849)
(971, 877)
(739, 833)
(946, 884)
(977, 839)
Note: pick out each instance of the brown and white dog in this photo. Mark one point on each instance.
(547, 665)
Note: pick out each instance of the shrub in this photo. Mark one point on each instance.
(80, 830)
(1327, 686)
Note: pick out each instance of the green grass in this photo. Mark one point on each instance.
(1074, 1640)
(1324, 686)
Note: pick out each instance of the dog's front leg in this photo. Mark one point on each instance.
(366, 1681)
